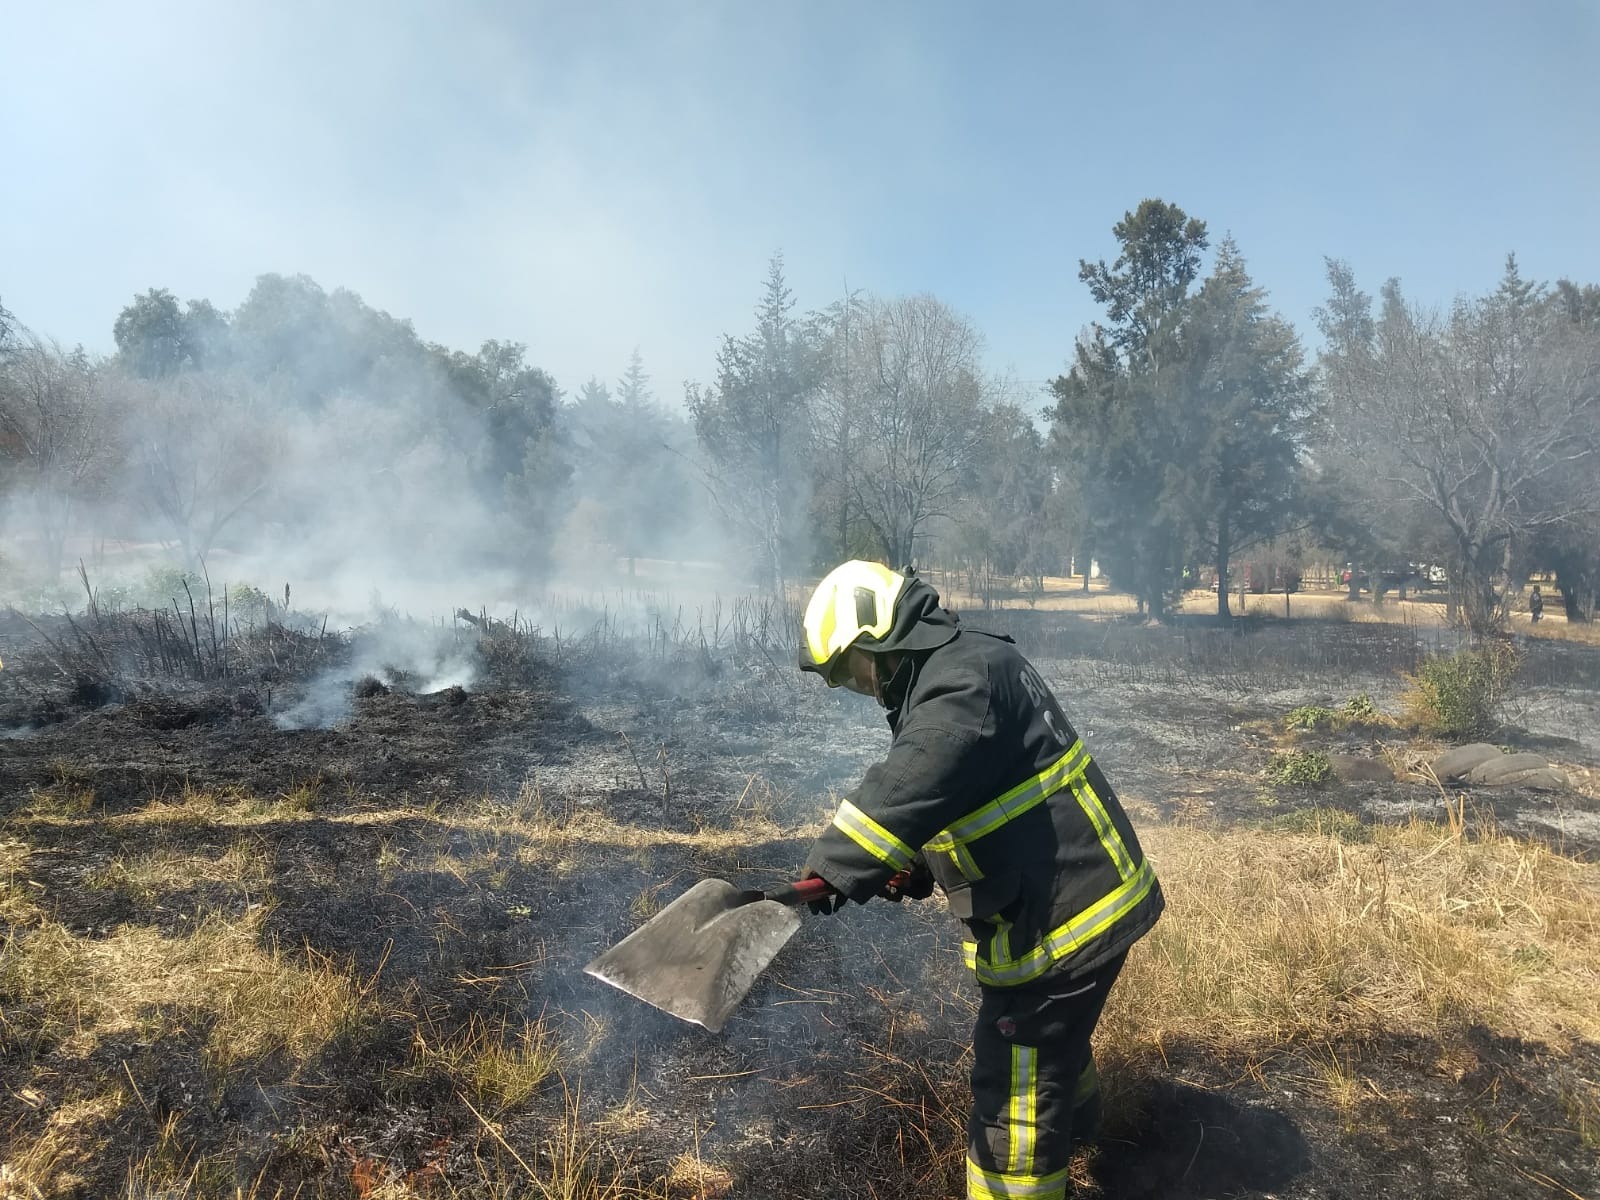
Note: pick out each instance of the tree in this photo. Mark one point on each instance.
(1118, 424)
(1149, 282)
(206, 335)
(914, 418)
(1246, 414)
(1005, 522)
(507, 418)
(149, 334)
(202, 448)
(631, 457)
(839, 533)
(754, 429)
(52, 415)
(1489, 420)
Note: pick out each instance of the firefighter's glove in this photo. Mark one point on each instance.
(919, 885)
(828, 904)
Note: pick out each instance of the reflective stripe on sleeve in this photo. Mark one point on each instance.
(872, 837)
(995, 1185)
(1089, 800)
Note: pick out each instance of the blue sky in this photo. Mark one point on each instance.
(587, 177)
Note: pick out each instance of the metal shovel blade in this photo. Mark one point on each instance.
(700, 955)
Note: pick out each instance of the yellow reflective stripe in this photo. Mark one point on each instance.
(1091, 923)
(1000, 943)
(1089, 801)
(872, 837)
(994, 1185)
(1026, 795)
(1022, 1118)
(966, 864)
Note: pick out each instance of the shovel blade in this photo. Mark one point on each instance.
(700, 955)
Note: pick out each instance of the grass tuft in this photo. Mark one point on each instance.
(259, 997)
(500, 1066)
(147, 877)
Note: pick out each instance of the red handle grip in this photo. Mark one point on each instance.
(806, 890)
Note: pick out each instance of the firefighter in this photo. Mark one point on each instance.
(988, 793)
(1535, 605)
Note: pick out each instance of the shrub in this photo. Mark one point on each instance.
(249, 603)
(1311, 716)
(164, 583)
(1360, 710)
(1299, 767)
(1458, 695)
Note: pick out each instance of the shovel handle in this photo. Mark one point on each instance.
(806, 890)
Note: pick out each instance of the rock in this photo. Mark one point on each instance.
(1455, 764)
(1353, 768)
(1541, 779)
(1501, 766)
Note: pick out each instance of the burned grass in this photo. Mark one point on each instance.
(347, 962)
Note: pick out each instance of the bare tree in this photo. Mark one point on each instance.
(201, 450)
(913, 412)
(1489, 419)
(56, 436)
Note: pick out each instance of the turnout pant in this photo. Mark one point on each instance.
(1035, 1091)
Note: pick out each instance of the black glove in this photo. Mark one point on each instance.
(918, 887)
(828, 904)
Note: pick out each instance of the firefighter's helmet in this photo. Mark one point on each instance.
(854, 601)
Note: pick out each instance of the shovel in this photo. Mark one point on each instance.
(700, 955)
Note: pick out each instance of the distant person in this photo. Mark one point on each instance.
(1536, 605)
(987, 793)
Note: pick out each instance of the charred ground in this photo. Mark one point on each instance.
(347, 960)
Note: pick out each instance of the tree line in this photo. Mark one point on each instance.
(1190, 428)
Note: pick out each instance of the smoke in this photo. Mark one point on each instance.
(401, 655)
(315, 444)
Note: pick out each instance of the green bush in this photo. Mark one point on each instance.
(249, 603)
(163, 583)
(1311, 716)
(1299, 768)
(1360, 710)
(1458, 696)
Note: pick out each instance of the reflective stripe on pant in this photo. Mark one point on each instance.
(1032, 1070)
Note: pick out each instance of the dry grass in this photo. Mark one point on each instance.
(498, 1064)
(145, 877)
(574, 1163)
(17, 890)
(1304, 935)
(52, 1163)
(258, 997)
(1103, 602)
(1282, 937)
(1556, 627)
(70, 793)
